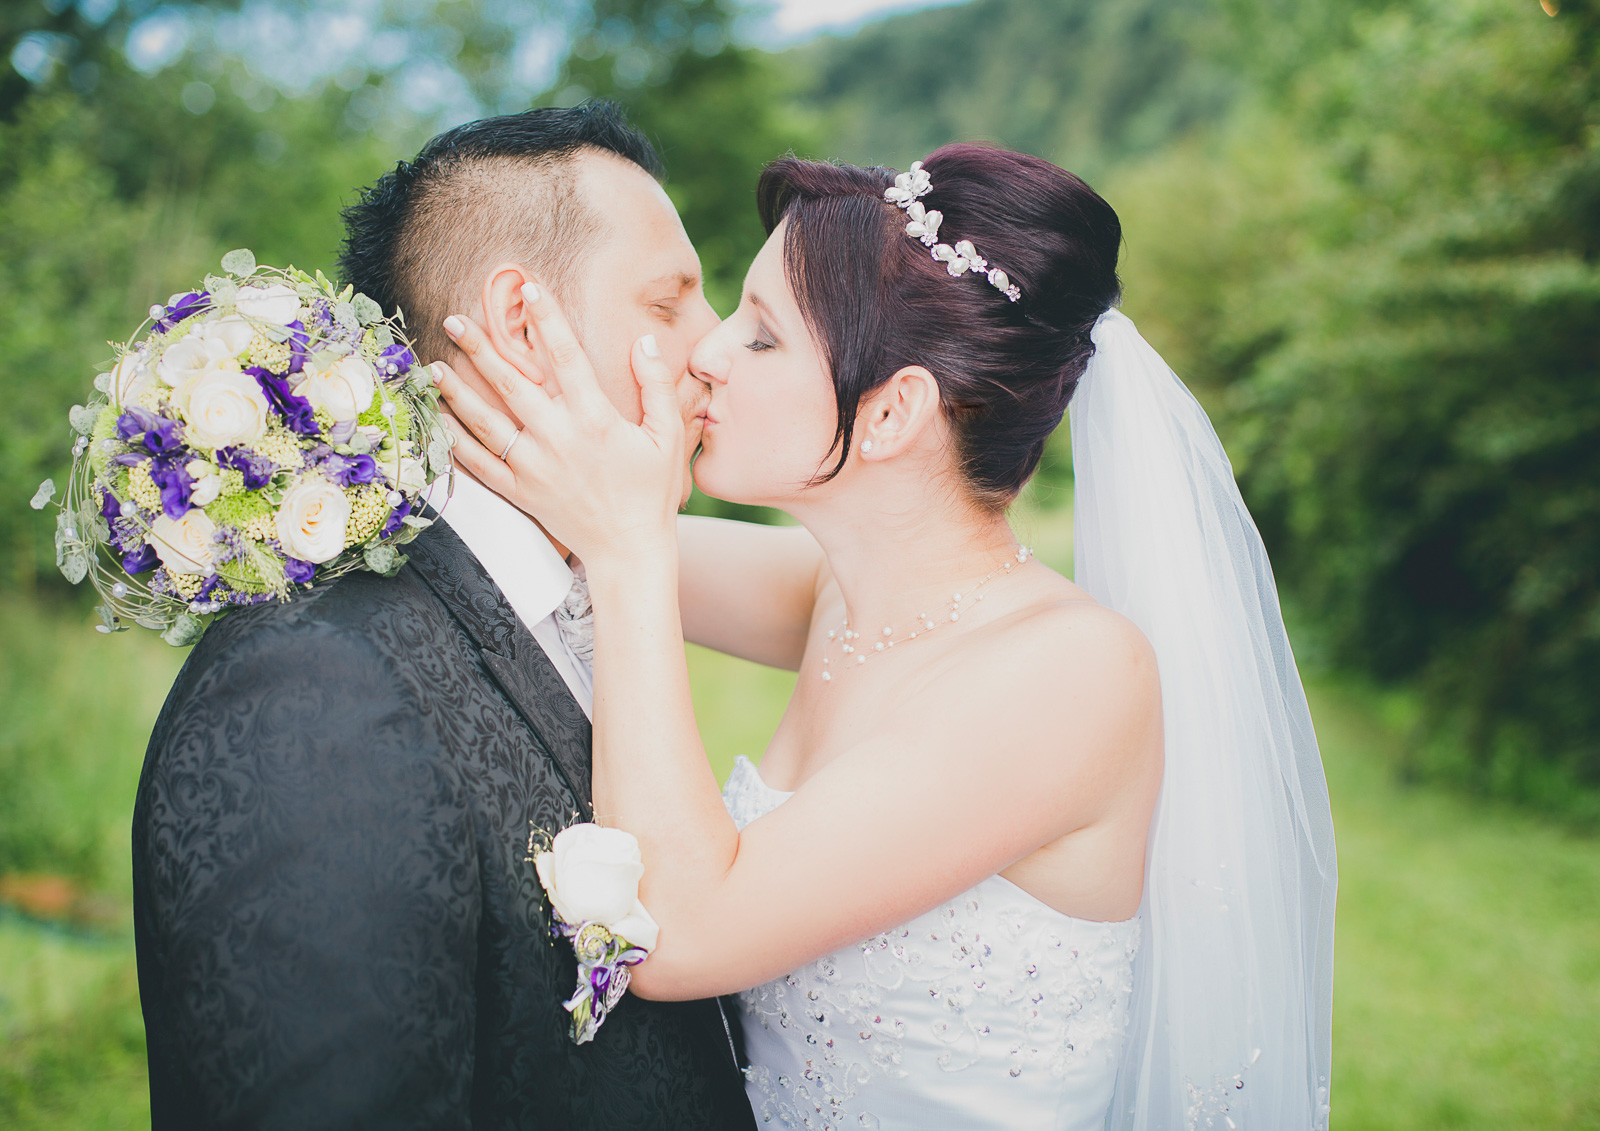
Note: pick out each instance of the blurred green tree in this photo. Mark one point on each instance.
(717, 110)
(1385, 277)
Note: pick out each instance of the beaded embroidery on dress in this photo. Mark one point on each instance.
(990, 1011)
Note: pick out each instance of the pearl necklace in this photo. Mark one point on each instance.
(847, 636)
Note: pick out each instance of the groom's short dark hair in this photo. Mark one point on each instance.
(502, 188)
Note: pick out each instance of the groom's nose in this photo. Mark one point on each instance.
(699, 320)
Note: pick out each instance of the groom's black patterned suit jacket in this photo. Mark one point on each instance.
(335, 923)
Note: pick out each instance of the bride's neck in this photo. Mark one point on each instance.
(893, 565)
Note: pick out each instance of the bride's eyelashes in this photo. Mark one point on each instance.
(762, 342)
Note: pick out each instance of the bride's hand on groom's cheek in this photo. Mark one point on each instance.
(596, 482)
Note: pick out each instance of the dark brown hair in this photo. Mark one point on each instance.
(421, 236)
(877, 301)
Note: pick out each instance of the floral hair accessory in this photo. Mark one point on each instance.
(923, 224)
(591, 875)
(261, 433)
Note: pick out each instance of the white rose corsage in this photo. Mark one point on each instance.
(258, 435)
(591, 875)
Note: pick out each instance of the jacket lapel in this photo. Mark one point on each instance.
(512, 656)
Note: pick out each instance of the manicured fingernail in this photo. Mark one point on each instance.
(648, 344)
(437, 369)
(454, 326)
(530, 292)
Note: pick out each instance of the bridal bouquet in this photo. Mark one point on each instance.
(261, 433)
(591, 875)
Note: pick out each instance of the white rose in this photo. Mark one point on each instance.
(205, 490)
(412, 476)
(207, 483)
(637, 927)
(224, 407)
(130, 377)
(185, 360)
(345, 389)
(183, 544)
(312, 520)
(231, 334)
(592, 876)
(276, 303)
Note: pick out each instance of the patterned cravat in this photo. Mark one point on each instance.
(575, 617)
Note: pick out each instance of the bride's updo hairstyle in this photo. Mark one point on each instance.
(877, 301)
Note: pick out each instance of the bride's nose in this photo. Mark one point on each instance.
(710, 359)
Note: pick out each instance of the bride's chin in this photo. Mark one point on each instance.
(715, 485)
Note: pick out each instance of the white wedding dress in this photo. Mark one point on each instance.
(991, 1011)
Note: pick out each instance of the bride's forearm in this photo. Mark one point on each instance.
(651, 776)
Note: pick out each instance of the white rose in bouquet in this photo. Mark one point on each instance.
(411, 477)
(230, 335)
(130, 377)
(184, 544)
(592, 876)
(276, 303)
(207, 483)
(344, 389)
(312, 520)
(208, 345)
(185, 360)
(225, 407)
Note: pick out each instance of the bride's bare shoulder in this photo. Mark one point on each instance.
(1066, 648)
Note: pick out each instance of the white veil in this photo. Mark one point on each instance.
(1233, 986)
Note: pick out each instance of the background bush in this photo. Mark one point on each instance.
(1365, 230)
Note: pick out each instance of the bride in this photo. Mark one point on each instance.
(1025, 851)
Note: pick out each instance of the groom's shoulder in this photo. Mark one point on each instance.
(359, 628)
(358, 605)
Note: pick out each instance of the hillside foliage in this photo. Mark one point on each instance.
(1365, 230)
(1371, 246)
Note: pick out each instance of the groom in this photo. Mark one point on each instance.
(335, 921)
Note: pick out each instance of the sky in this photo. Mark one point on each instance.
(793, 20)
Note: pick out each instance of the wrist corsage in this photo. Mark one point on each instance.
(591, 875)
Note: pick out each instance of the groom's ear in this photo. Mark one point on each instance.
(507, 318)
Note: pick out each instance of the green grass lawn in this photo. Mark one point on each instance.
(1468, 977)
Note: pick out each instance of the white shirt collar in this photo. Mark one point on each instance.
(517, 554)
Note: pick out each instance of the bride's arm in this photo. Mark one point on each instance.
(953, 791)
(1027, 740)
(747, 589)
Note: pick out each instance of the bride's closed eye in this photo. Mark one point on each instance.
(762, 341)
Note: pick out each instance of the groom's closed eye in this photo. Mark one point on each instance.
(664, 296)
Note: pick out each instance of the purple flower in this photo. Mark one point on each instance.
(127, 534)
(160, 435)
(110, 509)
(175, 484)
(395, 361)
(396, 518)
(349, 471)
(299, 346)
(141, 559)
(296, 411)
(257, 469)
(181, 307)
(297, 571)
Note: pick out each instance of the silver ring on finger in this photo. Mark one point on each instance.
(509, 444)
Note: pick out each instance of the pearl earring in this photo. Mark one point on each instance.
(866, 446)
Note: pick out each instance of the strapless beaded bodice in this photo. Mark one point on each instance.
(990, 1011)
